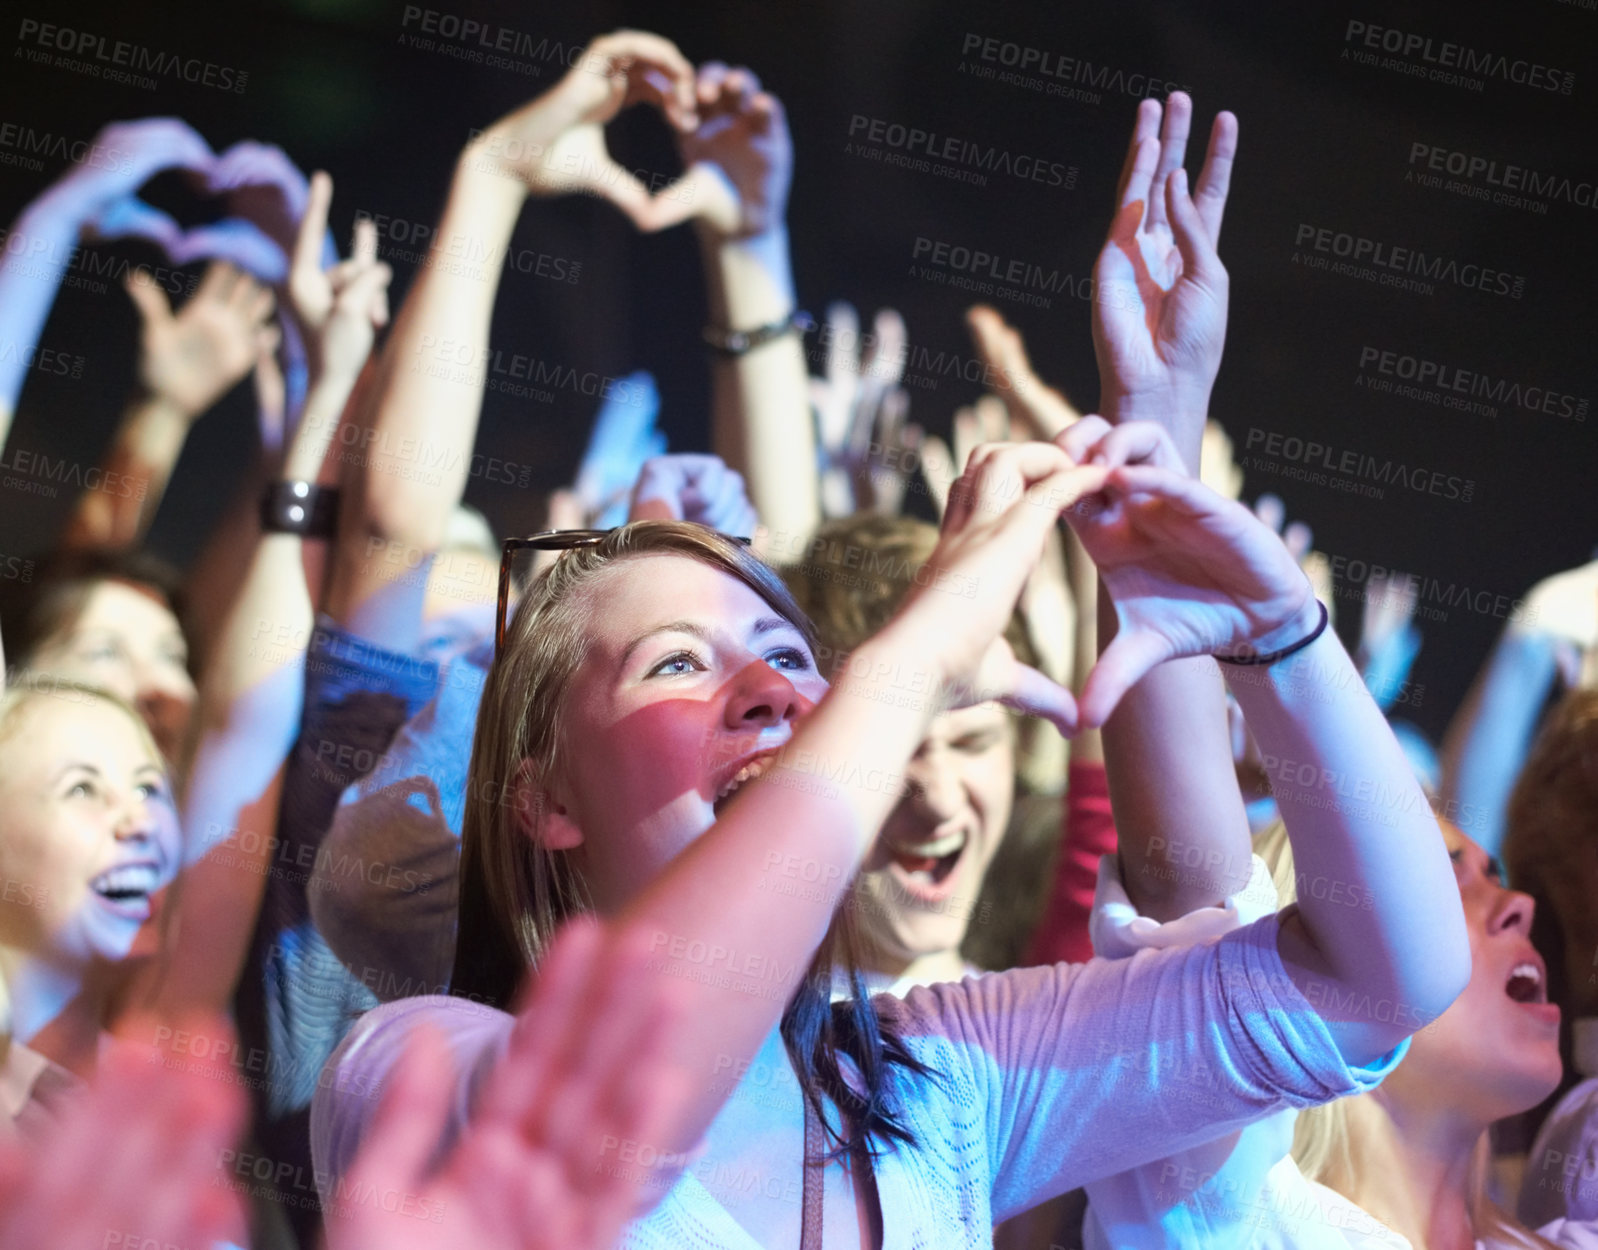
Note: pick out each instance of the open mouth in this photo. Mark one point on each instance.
(128, 888)
(923, 869)
(751, 769)
(1525, 984)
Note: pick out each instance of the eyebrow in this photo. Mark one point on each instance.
(76, 764)
(765, 625)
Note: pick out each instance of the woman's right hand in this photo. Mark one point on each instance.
(1191, 573)
(556, 144)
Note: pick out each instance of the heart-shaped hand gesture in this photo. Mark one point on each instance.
(556, 144)
(1191, 573)
(739, 158)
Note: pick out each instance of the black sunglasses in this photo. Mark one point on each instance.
(548, 540)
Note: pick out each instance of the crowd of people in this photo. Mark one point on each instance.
(743, 858)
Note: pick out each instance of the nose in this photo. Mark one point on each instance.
(762, 698)
(1511, 910)
(135, 819)
(934, 789)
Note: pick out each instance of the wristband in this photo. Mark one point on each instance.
(737, 342)
(302, 508)
(1271, 657)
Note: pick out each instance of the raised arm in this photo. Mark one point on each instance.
(1190, 572)
(425, 397)
(1159, 322)
(95, 200)
(252, 693)
(740, 166)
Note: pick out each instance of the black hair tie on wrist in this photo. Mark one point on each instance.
(302, 508)
(740, 342)
(1271, 657)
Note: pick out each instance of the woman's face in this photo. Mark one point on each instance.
(1495, 1051)
(690, 678)
(88, 832)
(921, 880)
(128, 642)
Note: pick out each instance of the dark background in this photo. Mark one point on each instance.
(1324, 141)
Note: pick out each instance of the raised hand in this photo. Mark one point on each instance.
(192, 358)
(693, 488)
(102, 191)
(139, 1154)
(341, 307)
(264, 187)
(623, 438)
(859, 402)
(556, 144)
(739, 157)
(1033, 405)
(1000, 514)
(1190, 573)
(1565, 607)
(587, 1072)
(1159, 315)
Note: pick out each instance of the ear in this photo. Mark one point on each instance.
(540, 813)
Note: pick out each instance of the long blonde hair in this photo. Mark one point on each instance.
(1326, 1143)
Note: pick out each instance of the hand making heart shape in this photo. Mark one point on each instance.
(263, 190)
(555, 145)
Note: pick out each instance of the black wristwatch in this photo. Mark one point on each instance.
(302, 508)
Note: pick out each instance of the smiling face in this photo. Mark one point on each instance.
(921, 881)
(127, 641)
(690, 682)
(88, 832)
(1495, 1051)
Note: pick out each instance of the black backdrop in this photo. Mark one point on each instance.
(1330, 130)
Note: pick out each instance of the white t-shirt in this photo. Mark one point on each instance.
(1243, 1189)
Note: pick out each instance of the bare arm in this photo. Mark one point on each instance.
(429, 388)
(740, 165)
(1159, 323)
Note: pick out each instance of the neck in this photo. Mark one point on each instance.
(56, 1009)
(1411, 1170)
(944, 965)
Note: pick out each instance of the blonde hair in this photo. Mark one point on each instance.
(1325, 1144)
(515, 892)
(30, 688)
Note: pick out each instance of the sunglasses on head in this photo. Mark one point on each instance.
(548, 540)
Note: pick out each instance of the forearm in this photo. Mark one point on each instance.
(1379, 942)
(429, 393)
(1182, 827)
(39, 248)
(117, 513)
(1488, 740)
(739, 913)
(761, 423)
